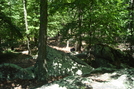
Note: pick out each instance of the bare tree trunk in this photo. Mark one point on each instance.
(131, 22)
(40, 67)
(89, 42)
(26, 26)
(79, 38)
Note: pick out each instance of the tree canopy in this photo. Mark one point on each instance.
(101, 21)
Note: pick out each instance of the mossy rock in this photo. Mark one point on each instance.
(10, 71)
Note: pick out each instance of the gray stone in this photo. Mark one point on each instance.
(70, 82)
(119, 79)
(108, 55)
(60, 63)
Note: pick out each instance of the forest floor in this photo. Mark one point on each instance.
(24, 60)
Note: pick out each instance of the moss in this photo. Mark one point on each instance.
(10, 71)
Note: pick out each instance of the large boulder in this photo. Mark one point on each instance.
(70, 82)
(119, 79)
(62, 64)
(100, 78)
(107, 56)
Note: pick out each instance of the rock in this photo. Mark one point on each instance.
(100, 62)
(118, 79)
(70, 82)
(81, 56)
(60, 63)
(107, 56)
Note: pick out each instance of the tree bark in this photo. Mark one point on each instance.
(41, 69)
(131, 17)
(26, 26)
(79, 37)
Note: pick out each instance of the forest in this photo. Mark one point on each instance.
(66, 44)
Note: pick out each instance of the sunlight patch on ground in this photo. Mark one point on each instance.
(64, 49)
(111, 84)
(25, 52)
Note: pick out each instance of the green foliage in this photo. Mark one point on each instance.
(11, 71)
(13, 25)
(130, 39)
(103, 70)
(101, 21)
(7, 23)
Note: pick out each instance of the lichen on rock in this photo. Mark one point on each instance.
(60, 63)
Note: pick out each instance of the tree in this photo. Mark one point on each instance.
(26, 25)
(40, 67)
(11, 30)
(131, 23)
(101, 22)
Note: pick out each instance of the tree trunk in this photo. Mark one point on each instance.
(26, 26)
(89, 41)
(35, 40)
(79, 37)
(40, 67)
(132, 23)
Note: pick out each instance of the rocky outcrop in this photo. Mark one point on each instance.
(70, 82)
(115, 79)
(107, 56)
(60, 63)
